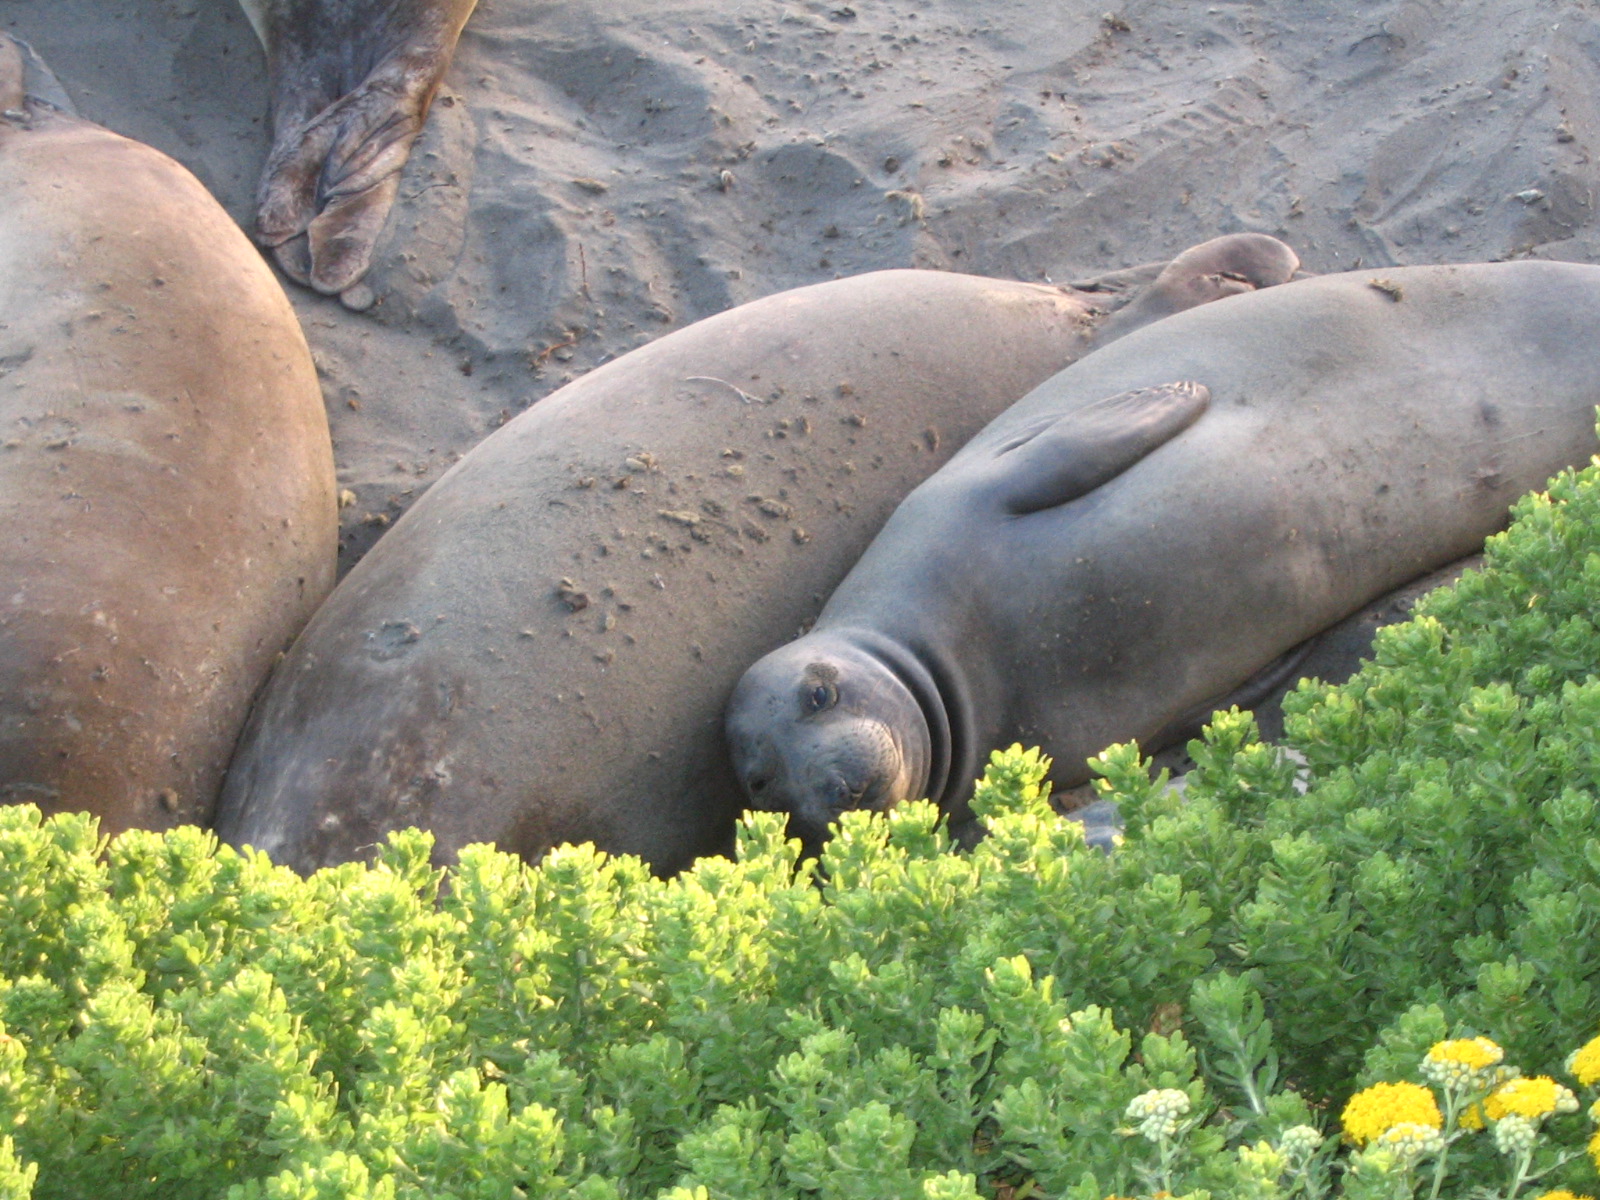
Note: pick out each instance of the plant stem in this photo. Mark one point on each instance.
(1523, 1161)
(1452, 1106)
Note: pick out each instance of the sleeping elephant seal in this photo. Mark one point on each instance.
(166, 483)
(351, 84)
(1155, 525)
(539, 651)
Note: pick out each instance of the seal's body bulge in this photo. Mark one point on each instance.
(1359, 432)
(540, 649)
(167, 515)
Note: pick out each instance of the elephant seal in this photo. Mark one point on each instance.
(539, 651)
(167, 515)
(1147, 530)
(351, 81)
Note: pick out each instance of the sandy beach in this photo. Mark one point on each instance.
(594, 175)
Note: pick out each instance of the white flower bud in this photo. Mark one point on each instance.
(1410, 1141)
(1158, 1112)
(1300, 1141)
(1514, 1134)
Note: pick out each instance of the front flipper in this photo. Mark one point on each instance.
(1061, 458)
(340, 137)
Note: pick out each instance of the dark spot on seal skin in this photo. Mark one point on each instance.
(391, 640)
(1489, 414)
(10, 362)
(821, 672)
(27, 792)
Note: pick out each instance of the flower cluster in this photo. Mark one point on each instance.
(1584, 1064)
(1300, 1141)
(1462, 1062)
(1534, 1098)
(1478, 1091)
(1410, 1140)
(1158, 1112)
(1515, 1135)
(1386, 1106)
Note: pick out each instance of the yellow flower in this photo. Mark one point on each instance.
(1472, 1117)
(1462, 1064)
(1585, 1064)
(1563, 1194)
(1472, 1053)
(1532, 1098)
(1379, 1108)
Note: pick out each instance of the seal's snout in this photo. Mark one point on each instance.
(838, 794)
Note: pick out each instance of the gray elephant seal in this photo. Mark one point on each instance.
(540, 650)
(167, 517)
(352, 81)
(1147, 530)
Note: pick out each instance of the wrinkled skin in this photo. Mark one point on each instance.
(352, 81)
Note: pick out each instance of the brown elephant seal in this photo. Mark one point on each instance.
(166, 483)
(1146, 531)
(351, 81)
(540, 649)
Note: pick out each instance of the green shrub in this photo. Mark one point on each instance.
(1026, 1018)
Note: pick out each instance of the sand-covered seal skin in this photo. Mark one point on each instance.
(540, 650)
(167, 517)
(352, 81)
(1162, 520)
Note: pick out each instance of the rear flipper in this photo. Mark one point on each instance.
(352, 81)
(1332, 656)
(25, 80)
(1268, 684)
(1214, 270)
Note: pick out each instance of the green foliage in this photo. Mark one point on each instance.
(905, 1019)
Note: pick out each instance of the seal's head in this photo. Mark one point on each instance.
(821, 726)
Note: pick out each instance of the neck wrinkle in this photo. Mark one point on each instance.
(927, 686)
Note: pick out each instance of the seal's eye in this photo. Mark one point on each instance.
(821, 697)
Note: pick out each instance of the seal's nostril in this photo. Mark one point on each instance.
(840, 795)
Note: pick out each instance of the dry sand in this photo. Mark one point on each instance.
(598, 173)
